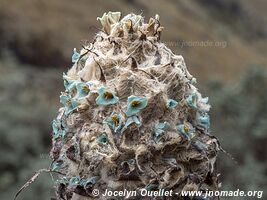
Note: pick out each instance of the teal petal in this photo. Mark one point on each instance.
(106, 97)
(152, 186)
(103, 139)
(133, 120)
(64, 99)
(57, 165)
(57, 131)
(64, 180)
(82, 90)
(69, 84)
(75, 56)
(160, 128)
(163, 126)
(74, 181)
(171, 103)
(203, 119)
(192, 100)
(69, 103)
(135, 104)
(205, 100)
(86, 183)
(200, 146)
(63, 133)
(131, 161)
(170, 161)
(186, 130)
(114, 121)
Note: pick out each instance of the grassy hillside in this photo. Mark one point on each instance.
(43, 32)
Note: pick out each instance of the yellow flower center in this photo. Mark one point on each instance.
(108, 95)
(135, 103)
(69, 103)
(186, 128)
(115, 119)
(133, 125)
(86, 89)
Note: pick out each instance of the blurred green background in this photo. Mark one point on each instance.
(224, 43)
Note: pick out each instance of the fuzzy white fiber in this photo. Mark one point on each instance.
(168, 144)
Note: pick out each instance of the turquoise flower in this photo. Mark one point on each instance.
(114, 121)
(83, 89)
(205, 100)
(74, 181)
(132, 121)
(152, 186)
(135, 104)
(171, 103)
(102, 139)
(75, 56)
(69, 84)
(131, 161)
(200, 146)
(64, 180)
(170, 161)
(160, 128)
(57, 165)
(203, 119)
(87, 183)
(57, 131)
(69, 103)
(191, 100)
(186, 130)
(106, 97)
(128, 165)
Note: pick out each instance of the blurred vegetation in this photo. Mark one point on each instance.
(28, 103)
(42, 33)
(239, 116)
(36, 43)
